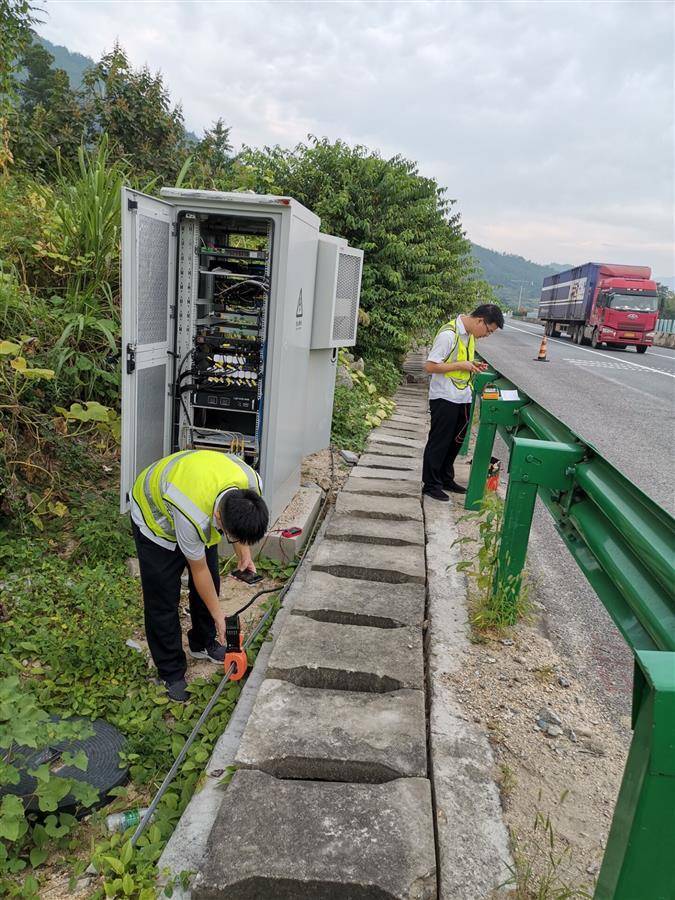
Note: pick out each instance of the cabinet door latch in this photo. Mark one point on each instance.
(131, 358)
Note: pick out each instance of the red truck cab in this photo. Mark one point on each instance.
(624, 311)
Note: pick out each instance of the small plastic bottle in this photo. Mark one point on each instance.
(123, 820)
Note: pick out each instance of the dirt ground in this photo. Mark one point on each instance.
(570, 776)
(318, 469)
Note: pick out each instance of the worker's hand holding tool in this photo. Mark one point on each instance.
(219, 622)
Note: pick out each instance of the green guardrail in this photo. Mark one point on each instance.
(624, 543)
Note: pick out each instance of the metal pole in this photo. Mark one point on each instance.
(639, 860)
(481, 463)
(518, 511)
(464, 449)
(171, 774)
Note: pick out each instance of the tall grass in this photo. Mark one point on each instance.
(81, 245)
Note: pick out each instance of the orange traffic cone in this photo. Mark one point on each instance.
(542, 351)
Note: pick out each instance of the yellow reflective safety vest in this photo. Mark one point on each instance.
(189, 481)
(459, 378)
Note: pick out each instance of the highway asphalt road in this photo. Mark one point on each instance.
(624, 404)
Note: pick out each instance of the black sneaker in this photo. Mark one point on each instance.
(436, 494)
(215, 652)
(454, 487)
(177, 690)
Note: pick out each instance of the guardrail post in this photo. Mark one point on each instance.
(492, 414)
(532, 464)
(479, 383)
(639, 859)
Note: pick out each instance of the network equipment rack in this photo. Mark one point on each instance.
(233, 307)
(225, 377)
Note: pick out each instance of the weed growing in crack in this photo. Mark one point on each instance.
(497, 603)
(540, 861)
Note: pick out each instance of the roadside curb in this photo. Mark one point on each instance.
(472, 839)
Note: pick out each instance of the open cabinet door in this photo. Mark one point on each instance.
(148, 259)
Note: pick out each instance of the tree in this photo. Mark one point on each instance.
(16, 19)
(48, 117)
(133, 108)
(666, 301)
(418, 268)
(212, 164)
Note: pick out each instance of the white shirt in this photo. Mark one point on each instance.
(440, 387)
(187, 536)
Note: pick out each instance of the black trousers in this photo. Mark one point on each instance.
(446, 433)
(161, 572)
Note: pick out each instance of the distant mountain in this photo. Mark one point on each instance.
(74, 63)
(508, 274)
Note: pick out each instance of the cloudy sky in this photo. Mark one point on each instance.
(551, 123)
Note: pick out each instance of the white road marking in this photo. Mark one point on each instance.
(598, 364)
(589, 350)
(661, 351)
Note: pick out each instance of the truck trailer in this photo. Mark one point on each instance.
(601, 304)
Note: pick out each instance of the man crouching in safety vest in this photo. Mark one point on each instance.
(180, 508)
(452, 368)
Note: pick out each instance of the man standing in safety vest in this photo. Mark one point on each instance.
(452, 368)
(180, 508)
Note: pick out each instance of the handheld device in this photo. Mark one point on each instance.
(247, 577)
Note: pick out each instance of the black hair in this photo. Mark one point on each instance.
(490, 313)
(244, 515)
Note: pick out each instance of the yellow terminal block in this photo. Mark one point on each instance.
(490, 392)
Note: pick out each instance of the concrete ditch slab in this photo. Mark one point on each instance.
(407, 419)
(375, 531)
(308, 840)
(372, 460)
(398, 428)
(186, 848)
(352, 601)
(382, 436)
(368, 502)
(372, 562)
(347, 657)
(297, 732)
(383, 487)
(392, 450)
(360, 471)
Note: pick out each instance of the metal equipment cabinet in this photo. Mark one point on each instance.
(233, 306)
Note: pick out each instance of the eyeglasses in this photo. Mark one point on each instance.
(489, 329)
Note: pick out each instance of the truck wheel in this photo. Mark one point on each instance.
(595, 343)
(547, 329)
(579, 334)
(641, 348)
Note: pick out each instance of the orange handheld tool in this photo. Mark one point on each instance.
(234, 652)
